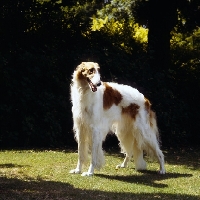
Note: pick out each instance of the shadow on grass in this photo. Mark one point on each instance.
(10, 165)
(147, 178)
(40, 189)
(186, 156)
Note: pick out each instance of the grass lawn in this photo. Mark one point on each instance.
(43, 174)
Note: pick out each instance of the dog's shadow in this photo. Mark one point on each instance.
(149, 178)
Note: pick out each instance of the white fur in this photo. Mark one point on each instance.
(92, 123)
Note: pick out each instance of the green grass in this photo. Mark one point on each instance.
(31, 174)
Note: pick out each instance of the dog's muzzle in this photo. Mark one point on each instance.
(93, 87)
(98, 84)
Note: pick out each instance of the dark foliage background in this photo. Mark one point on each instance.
(40, 45)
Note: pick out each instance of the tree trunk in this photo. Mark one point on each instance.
(162, 18)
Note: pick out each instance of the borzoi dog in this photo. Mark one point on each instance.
(100, 107)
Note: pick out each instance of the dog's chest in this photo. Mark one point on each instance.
(88, 111)
(90, 106)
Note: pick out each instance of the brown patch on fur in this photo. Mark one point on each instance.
(80, 75)
(110, 97)
(147, 104)
(131, 110)
(80, 69)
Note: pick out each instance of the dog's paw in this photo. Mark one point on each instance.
(86, 174)
(119, 166)
(75, 171)
(162, 171)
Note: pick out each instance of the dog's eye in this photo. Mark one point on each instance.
(91, 71)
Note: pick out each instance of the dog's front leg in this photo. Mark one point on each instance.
(82, 153)
(97, 157)
(78, 168)
(90, 171)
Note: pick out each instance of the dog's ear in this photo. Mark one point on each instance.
(80, 70)
(81, 67)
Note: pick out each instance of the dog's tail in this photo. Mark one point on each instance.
(155, 137)
(153, 124)
(152, 121)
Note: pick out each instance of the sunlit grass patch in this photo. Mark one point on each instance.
(31, 174)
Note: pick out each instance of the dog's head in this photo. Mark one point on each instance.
(89, 71)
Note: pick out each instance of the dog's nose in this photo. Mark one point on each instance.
(98, 84)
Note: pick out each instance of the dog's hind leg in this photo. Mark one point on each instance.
(160, 157)
(140, 163)
(126, 144)
(158, 153)
(125, 162)
(151, 145)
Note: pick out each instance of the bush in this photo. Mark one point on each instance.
(38, 57)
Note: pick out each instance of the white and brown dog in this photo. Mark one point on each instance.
(100, 107)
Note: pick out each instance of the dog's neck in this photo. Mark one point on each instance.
(81, 85)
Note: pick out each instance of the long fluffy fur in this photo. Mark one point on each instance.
(111, 106)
